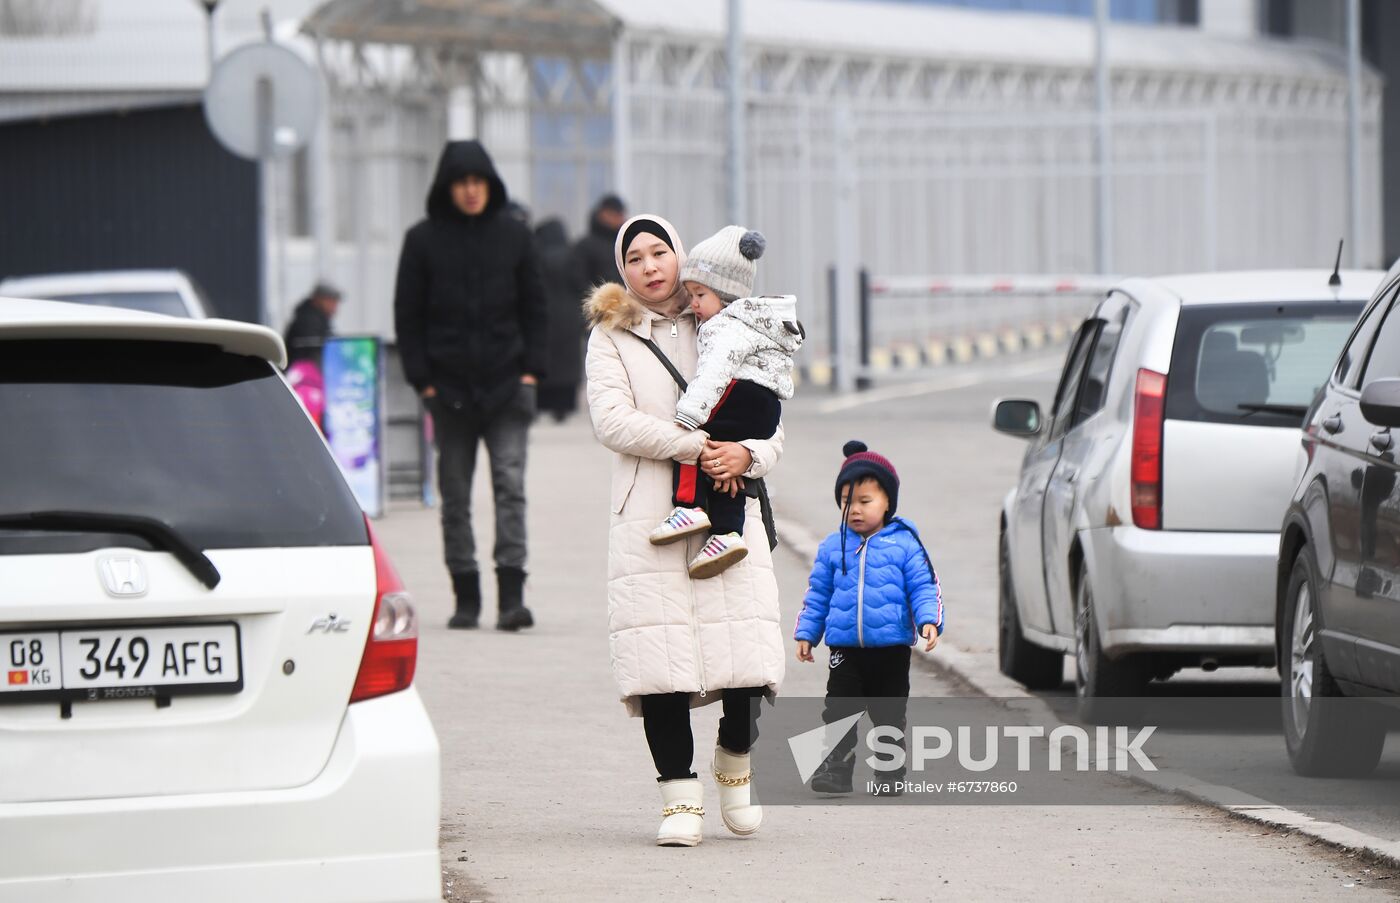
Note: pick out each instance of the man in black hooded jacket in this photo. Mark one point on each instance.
(469, 310)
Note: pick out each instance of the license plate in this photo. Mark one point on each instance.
(133, 662)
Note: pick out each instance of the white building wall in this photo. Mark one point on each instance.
(1238, 18)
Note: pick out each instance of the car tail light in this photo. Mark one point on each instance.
(1149, 401)
(391, 650)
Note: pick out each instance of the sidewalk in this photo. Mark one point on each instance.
(548, 788)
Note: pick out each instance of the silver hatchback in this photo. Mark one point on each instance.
(1142, 536)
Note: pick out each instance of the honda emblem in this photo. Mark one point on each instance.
(122, 576)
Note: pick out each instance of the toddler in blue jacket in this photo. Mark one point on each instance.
(872, 590)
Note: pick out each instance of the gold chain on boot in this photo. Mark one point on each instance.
(727, 781)
(683, 808)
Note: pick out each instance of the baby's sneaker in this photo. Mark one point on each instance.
(679, 524)
(719, 554)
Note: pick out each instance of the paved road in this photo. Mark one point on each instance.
(955, 472)
(548, 789)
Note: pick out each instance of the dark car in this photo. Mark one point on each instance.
(1338, 625)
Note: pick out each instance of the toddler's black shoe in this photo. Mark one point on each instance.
(833, 776)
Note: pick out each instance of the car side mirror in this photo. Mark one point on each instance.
(1380, 402)
(1018, 417)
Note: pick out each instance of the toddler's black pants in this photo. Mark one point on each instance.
(745, 411)
(874, 679)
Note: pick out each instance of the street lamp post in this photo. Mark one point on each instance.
(1102, 91)
(1354, 129)
(209, 7)
(734, 51)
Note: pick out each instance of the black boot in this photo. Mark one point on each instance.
(513, 614)
(467, 586)
(834, 774)
(888, 783)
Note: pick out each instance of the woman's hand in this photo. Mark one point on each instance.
(804, 651)
(725, 460)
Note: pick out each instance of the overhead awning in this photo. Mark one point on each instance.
(534, 27)
(908, 31)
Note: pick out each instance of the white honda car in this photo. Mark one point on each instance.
(206, 659)
(1142, 536)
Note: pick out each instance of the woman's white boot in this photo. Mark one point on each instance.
(734, 776)
(682, 815)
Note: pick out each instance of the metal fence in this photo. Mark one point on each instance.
(977, 194)
(898, 162)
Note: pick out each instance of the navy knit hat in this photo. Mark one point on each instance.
(861, 462)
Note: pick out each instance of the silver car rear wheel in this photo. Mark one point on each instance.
(1300, 668)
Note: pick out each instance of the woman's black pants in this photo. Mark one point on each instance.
(666, 717)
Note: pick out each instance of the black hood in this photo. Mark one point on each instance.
(551, 234)
(460, 159)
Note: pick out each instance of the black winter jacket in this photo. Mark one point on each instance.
(594, 255)
(307, 333)
(469, 305)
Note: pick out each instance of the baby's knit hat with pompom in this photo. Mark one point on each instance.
(724, 262)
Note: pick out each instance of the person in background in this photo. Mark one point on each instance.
(311, 324)
(559, 391)
(472, 323)
(594, 251)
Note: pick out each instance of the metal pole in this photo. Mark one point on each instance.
(833, 311)
(622, 116)
(322, 188)
(209, 7)
(863, 298)
(737, 153)
(1104, 250)
(1354, 130)
(847, 252)
(209, 39)
(265, 188)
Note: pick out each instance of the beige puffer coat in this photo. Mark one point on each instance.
(667, 632)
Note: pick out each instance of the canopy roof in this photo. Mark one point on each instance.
(890, 30)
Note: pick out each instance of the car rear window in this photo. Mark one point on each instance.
(211, 443)
(169, 303)
(1254, 364)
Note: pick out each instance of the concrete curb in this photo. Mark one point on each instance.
(986, 679)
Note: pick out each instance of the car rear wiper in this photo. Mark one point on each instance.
(156, 532)
(1297, 410)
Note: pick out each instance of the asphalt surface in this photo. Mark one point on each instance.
(955, 471)
(548, 790)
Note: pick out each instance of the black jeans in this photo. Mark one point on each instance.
(745, 411)
(458, 433)
(873, 679)
(666, 718)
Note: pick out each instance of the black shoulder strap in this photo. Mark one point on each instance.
(665, 362)
(765, 506)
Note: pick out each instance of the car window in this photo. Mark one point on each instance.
(1071, 378)
(169, 303)
(1348, 371)
(1099, 367)
(1383, 360)
(211, 443)
(1254, 364)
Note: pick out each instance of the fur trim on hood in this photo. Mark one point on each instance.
(612, 307)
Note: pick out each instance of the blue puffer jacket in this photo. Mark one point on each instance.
(886, 586)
